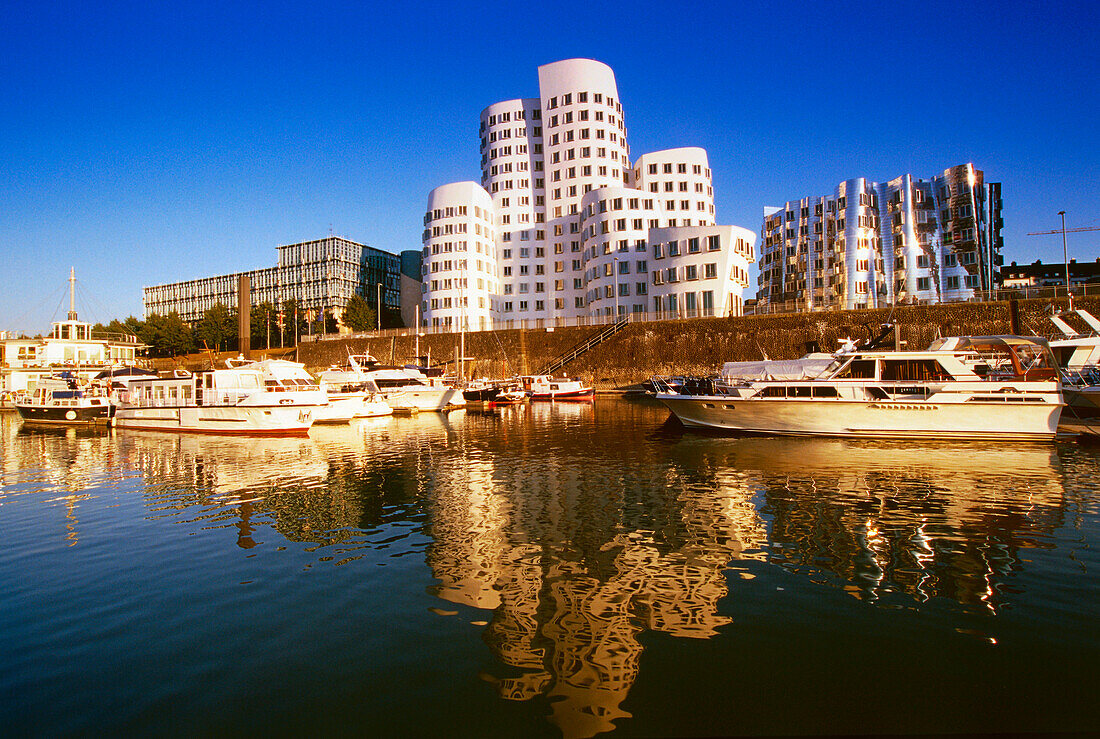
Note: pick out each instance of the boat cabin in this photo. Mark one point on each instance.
(213, 388)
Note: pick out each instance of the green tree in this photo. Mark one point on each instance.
(176, 336)
(359, 315)
(260, 315)
(218, 327)
(133, 325)
(152, 332)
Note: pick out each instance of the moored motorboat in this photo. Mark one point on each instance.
(1078, 355)
(403, 388)
(979, 387)
(545, 387)
(361, 399)
(481, 392)
(61, 400)
(234, 400)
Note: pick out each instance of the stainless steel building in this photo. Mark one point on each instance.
(321, 274)
(872, 244)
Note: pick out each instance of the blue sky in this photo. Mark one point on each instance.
(145, 143)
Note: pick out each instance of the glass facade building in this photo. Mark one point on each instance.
(317, 275)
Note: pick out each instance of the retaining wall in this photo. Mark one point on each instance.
(697, 346)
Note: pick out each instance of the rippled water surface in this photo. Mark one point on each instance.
(552, 570)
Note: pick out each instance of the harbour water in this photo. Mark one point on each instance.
(544, 570)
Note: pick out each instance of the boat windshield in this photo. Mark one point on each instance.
(1026, 357)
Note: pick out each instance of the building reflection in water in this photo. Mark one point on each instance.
(60, 464)
(576, 559)
(579, 529)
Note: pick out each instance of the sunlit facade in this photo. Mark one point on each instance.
(872, 244)
(316, 275)
(569, 215)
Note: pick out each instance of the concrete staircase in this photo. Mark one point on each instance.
(603, 335)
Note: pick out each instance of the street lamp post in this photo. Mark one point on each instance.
(1065, 251)
(378, 304)
(615, 274)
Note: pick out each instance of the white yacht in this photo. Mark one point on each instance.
(235, 400)
(402, 387)
(974, 387)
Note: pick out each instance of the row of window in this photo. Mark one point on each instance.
(582, 134)
(681, 168)
(511, 115)
(585, 152)
(582, 97)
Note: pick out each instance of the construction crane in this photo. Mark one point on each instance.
(1068, 230)
(1065, 251)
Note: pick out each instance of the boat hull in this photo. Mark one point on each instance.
(64, 416)
(1027, 421)
(425, 398)
(230, 420)
(582, 394)
(341, 408)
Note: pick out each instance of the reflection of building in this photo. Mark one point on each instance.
(567, 604)
(871, 244)
(321, 274)
(562, 226)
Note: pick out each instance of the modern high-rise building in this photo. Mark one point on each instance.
(316, 275)
(872, 244)
(563, 228)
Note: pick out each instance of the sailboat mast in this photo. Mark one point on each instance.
(72, 293)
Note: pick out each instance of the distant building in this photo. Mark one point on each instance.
(871, 244)
(563, 228)
(70, 346)
(1050, 275)
(318, 275)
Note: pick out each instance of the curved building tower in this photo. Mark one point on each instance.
(460, 266)
(571, 217)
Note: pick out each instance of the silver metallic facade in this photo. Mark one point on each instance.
(321, 274)
(872, 244)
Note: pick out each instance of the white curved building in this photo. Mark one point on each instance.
(460, 266)
(679, 182)
(615, 224)
(570, 214)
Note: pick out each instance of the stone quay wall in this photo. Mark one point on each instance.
(697, 346)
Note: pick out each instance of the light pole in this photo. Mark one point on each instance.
(378, 305)
(615, 276)
(1065, 251)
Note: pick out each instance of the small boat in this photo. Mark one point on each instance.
(545, 387)
(481, 392)
(235, 400)
(361, 399)
(970, 387)
(511, 395)
(61, 400)
(401, 387)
